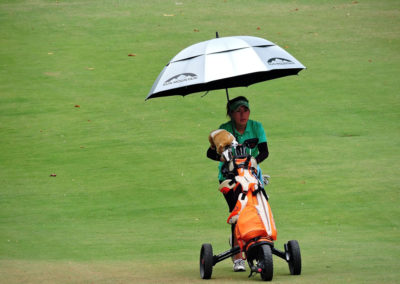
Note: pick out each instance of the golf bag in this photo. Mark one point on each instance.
(252, 213)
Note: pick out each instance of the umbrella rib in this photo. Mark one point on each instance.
(188, 58)
(264, 45)
(230, 50)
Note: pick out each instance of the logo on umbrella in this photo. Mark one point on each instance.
(184, 77)
(279, 61)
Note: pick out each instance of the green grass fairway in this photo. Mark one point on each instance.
(133, 196)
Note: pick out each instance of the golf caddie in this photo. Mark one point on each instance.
(242, 128)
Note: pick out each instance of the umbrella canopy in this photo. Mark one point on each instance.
(223, 63)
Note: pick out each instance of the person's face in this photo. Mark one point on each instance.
(241, 116)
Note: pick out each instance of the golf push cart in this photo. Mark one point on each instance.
(255, 227)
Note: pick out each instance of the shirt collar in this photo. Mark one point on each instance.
(237, 133)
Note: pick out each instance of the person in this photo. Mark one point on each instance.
(242, 128)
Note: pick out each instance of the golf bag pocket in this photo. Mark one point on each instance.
(249, 225)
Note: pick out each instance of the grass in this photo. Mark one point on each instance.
(134, 196)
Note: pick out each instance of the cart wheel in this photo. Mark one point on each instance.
(206, 261)
(264, 260)
(294, 257)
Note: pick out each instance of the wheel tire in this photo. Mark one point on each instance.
(294, 257)
(265, 262)
(206, 261)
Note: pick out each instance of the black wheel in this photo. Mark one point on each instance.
(264, 260)
(206, 261)
(293, 249)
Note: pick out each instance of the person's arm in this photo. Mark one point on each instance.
(262, 152)
(213, 155)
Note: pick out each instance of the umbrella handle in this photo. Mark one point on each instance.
(227, 94)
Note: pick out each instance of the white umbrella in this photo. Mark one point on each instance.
(223, 63)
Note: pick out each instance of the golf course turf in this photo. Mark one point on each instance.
(99, 186)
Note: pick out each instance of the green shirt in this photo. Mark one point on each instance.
(254, 129)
